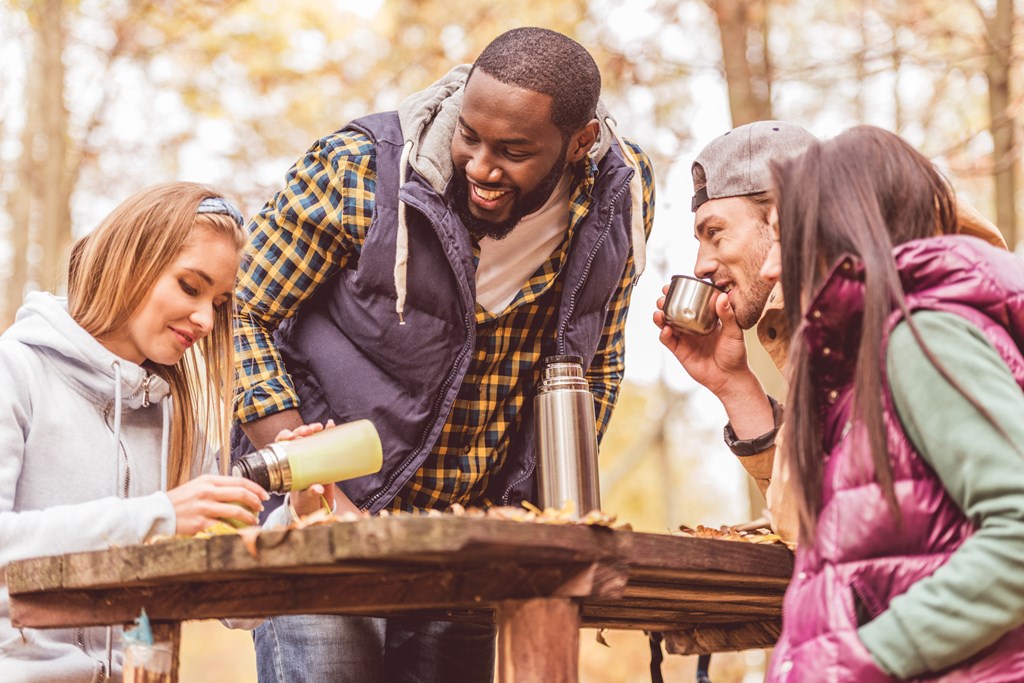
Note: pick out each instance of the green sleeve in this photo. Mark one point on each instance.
(972, 600)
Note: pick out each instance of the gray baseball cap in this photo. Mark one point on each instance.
(736, 163)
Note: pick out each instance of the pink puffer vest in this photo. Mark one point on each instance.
(861, 559)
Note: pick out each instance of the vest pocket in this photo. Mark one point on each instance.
(866, 604)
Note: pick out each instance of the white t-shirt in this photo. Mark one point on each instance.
(506, 264)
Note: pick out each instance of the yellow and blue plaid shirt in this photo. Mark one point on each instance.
(316, 226)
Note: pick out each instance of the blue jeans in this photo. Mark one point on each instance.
(341, 649)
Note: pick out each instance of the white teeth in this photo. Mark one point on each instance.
(488, 195)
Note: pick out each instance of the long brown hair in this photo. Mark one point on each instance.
(111, 271)
(861, 193)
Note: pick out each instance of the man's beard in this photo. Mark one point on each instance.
(523, 206)
(756, 298)
(752, 309)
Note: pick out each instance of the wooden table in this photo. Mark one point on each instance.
(541, 582)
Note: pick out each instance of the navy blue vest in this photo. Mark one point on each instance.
(350, 359)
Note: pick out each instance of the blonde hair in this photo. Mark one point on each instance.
(110, 273)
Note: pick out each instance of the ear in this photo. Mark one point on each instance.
(582, 140)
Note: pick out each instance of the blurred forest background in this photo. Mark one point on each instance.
(99, 98)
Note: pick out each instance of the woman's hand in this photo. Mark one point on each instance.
(211, 498)
(310, 500)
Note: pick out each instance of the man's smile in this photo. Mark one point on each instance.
(488, 200)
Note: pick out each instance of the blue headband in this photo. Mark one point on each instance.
(221, 206)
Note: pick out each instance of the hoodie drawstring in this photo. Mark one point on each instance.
(117, 480)
(636, 194)
(165, 405)
(402, 239)
(116, 432)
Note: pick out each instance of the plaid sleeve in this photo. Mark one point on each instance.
(605, 372)
(306, 233)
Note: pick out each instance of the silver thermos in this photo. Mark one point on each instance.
(566, 437)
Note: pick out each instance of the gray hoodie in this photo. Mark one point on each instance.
(81, 468)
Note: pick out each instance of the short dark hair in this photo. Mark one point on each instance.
(545, 61)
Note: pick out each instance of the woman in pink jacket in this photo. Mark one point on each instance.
(903, 426)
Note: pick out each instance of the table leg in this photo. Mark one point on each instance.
(539, 640)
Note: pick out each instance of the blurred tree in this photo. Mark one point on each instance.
(39, 198)
(999, 33)
(50, 181)
(942, 73)
(746, 60)
(56, 147)
(246, 86)
(19, 202)
(963, 47)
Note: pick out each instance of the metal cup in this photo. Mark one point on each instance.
(690, 305)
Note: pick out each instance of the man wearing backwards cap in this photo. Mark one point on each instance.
(732, 201)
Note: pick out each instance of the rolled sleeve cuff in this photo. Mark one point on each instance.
(746, 447)
(266, 398)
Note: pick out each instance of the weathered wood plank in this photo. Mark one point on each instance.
(274, 547)
(653, 575)
(627, 607)
(637, 623)
(303, 594)
(538, 640)
(410, 539)
(669, 617)
(462, 567)
(711, 555)
(709, 597)
(708, 638)
(425, 539)
(661, 613)
(40, 573)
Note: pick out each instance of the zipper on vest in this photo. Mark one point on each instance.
(572, 305)
(586, 268)
(443, 390)
(434, 409)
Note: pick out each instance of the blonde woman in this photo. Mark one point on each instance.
(109, 402)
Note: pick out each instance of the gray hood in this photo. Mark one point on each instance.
(45, 324)
(428, 120)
